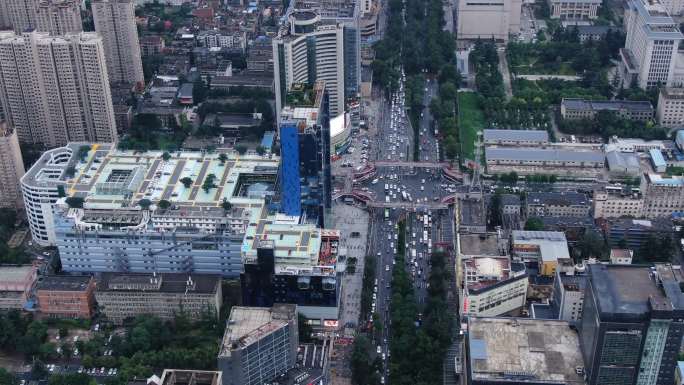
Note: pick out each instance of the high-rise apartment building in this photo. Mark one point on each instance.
(21, 14)
(115, 21)
(650, 52)
(58, 17)
(631, 327)
(11, 168)
(488, 19)
(307, 52)
(55, 89)
(5, 22)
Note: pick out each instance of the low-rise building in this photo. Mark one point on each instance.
(255, 80)
(520, 138)
(623, 165)
(234, 125)
(63, 296)
(540, 248)
(557, 204)
(124, 296)
(573, 227)
(569, 163)
(670, 110)
(616, 202)
(574, 9)
(634, 144)
(259, 344)
(492, 286)
(657, 161)
(587, 109)
(16, 283)
(634, 232)
(522, 351)
(151, 45)
(594, 32)
(621, 256)
(510, 204)
(187, 377)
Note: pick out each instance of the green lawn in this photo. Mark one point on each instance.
(470, 121)
(535, 68)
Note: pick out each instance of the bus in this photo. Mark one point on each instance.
(387, 212)
(426, 224)
(413, 253)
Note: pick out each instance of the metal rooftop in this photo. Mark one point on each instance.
(519, 351)
(516, 135)
(552, 244)
(540, 155)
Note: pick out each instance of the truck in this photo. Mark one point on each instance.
(387, 213)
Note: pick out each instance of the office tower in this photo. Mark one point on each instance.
(54, 89)
(631, 326)
(115, 21)
(307, 52)
(650, 52)
(58, 17)
(259, 344)
(305, 150)
(487, 20)
(276, 269)
(11, 168)
(21, 14)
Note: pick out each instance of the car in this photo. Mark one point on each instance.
(379, 349)
(386, 267)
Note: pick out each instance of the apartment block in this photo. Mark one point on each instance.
(54, 89)
(562, 204)
(662, 195)
(21, 14)
(650, 52)
(58, 17)
(573, 10)
(631, 327)
(616, 202)
(259, 344)
(587, 109)
(670, 111)
(115, 22)
(16, 283)
(486, 20)
(122, 296)
(61, 296)
(11, 168)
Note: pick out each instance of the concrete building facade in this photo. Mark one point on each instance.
(492, 286)
(670, 110)
(574, 9)
(126, 296)
(259, 344)
(485, 20)
(651, 46)
(568, 295)
(115, 21)
(587, 109)
(58, 17)
(21, 14)
(662, 195)
(11, 168)
(617, 202)
(16, 283)
(552, 204)
(55, 89)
